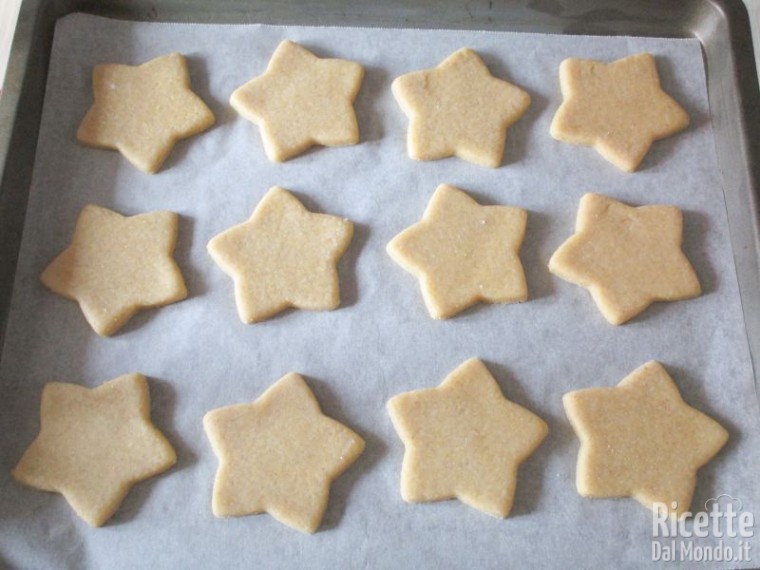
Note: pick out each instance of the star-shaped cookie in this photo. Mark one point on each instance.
(279, 455)
(463, 253)
(459, 109)
(464, 440)
(641, 440)
(301, 101)
(117, 265)
(94, 444)
(143, 110)
(283, 256)
(626, 257)
(618, 108)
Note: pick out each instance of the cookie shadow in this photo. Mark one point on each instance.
(142, 318)
(373, 87)
(304, 156)
(531, 473)
(684, 96)
(200, 85)
(346, 266)
(349, 288)
(535, 266)
(192, 277)
(662, 150)
(163, 406)
(374, 450)
(196, 285)
(518, 134)
(223, 113)
(708, 476)
(696, 227)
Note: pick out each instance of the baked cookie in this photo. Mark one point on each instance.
(618, 108)
(641, 440)
(626, 257)
(283, 256)
(143, 110)
(279, 455)
(117, 265)
(301, 101)
(459, 109)
(463, 253)
(464, 440)
(94, 444)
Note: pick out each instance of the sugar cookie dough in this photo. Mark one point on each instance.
(464, 440)
(626, 257)
(142, 111)
(459, 109)
(117, 265)
(463, 253)
(283, 256)
(279, 455)
(300, 101)
(618, 108)
(641, 440)
(94, 444)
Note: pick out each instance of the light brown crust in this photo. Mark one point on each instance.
(142, 111)
(459, 109)
(618, 108)
(94, 445)
(640, 439)
(464, 440)
(300, 101)
(283, 256)
(463, 253)
(627, 257)
(279, 455)
(117, 265)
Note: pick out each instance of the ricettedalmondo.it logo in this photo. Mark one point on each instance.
(720, 533)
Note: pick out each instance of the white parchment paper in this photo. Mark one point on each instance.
(381, 341)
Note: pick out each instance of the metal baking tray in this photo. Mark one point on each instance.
(722, 27)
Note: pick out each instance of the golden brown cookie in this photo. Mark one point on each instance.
(464, 440)
(279, 455)
(641, 440)
(463, 253)
(117, 265)
(283, 256)
(618, 108)
(300, 101)
(94, 444)
(143, 110)
(626, 257)
(459, 109)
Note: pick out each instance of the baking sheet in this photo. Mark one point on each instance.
(381, 341)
